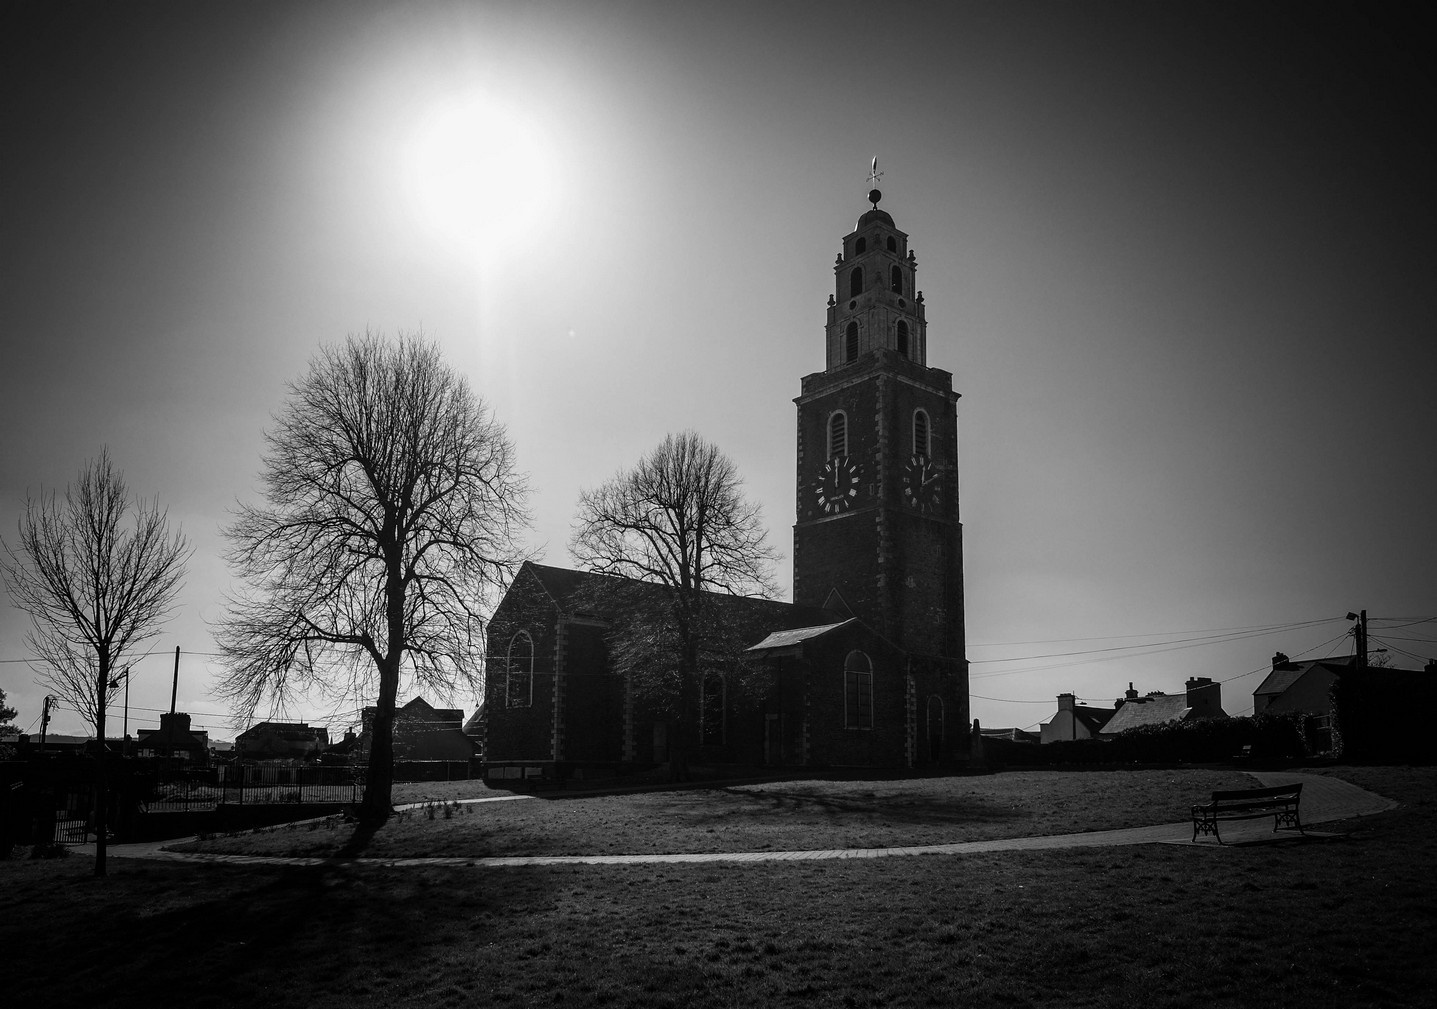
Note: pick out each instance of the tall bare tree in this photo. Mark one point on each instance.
(678, 519)
(392, 516)
(97, 572)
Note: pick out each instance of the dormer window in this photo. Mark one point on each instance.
(837, 435)
(855, 282)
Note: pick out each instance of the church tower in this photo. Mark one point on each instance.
(877, 517)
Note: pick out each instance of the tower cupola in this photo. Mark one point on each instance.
(875, 304)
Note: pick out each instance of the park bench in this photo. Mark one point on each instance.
(1279, 802)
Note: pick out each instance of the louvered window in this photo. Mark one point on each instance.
(837, 435)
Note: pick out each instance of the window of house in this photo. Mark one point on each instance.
(850, 343)
(920, 432)
(519, 671)
(855, 282)
(896, 281)
(860, 245)
(857, 692)
(903, 337)
(712, 709)
(837, 435)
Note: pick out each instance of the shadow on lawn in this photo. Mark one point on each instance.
(359, 841)
(239, 937)
(966, 810)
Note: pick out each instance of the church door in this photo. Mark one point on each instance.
(935, 728)
(773, 740)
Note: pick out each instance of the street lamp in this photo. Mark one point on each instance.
(125, 739)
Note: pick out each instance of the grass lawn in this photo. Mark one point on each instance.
(1311, 923)
(780, 816)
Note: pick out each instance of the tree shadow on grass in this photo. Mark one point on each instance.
(966, 810)
(359, 841)
(235, 936)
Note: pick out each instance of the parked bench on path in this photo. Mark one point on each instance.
(1279, 802)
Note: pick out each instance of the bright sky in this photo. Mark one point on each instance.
(1180, 259)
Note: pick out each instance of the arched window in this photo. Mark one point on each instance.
(837, 435)
(855, 282)
(850, 343)
(896, 281)
(903, 337)
(920, 433)
(712, 707)
(857, 691)
(519, 671)
(892, 244)
(860, 245)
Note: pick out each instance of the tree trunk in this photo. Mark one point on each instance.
(379, 791)
(102, 797)
(680, 737)
(379, 783)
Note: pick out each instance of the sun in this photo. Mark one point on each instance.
(479, 172)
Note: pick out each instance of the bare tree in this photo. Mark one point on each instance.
(391, 523)
(97, 572)
(678, 519)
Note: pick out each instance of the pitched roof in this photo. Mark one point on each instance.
(793, 636)
(1279, 680)
(1094, 719)
(572, 589)
(1152, 710)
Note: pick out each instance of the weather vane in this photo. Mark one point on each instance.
(873, 176)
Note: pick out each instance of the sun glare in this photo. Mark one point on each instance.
(480, 173)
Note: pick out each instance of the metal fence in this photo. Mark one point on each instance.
(56, 798)
(261, 783)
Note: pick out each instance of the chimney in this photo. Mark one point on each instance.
(1065, 702)
(1431, 666)
(1281, 661)
(1204, 696)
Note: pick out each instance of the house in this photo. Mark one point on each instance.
(281, 741)
(1202, 698)
(867, 665)
(421, 732)
(1298, 686)
(1076, 721)
(174, 738)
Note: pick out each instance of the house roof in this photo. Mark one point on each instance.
(1094, 719)
(1279, 680)
(1154, 709)
(793, 636)
(1015, 735)
(178, 739)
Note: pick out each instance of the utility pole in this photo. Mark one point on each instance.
(174, 692)
(1359, 635)
(45, 720)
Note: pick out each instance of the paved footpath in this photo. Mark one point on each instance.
(1324, 799)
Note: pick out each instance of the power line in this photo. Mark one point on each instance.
(1234, 634)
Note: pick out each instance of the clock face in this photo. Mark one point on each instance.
(837, 485)
(921, 484)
